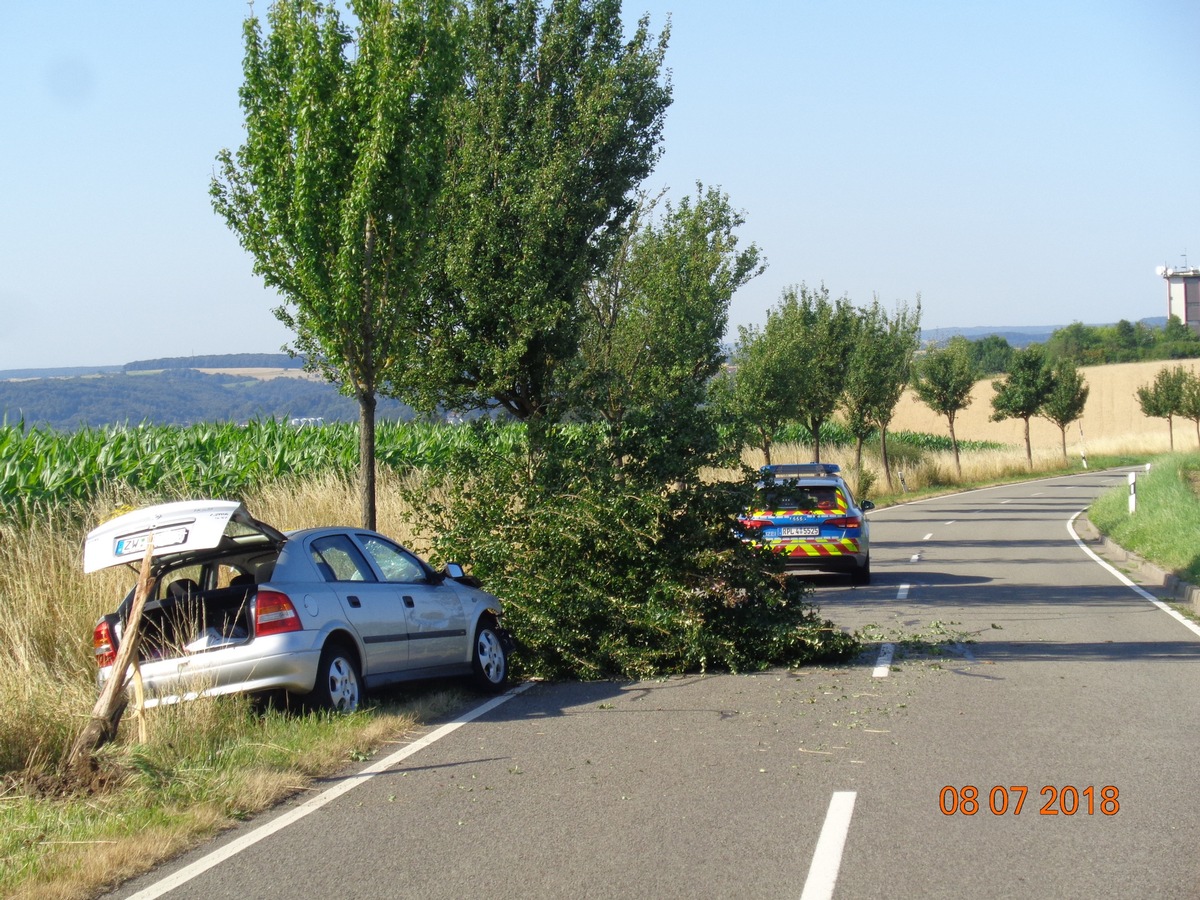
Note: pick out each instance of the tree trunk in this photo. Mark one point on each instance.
(1028, 448)
(366, 458)
(101, 727)
(766, 443)
(887, 469)
(1063, 431)
(814, 427)
(954, 444)
(1171, 433)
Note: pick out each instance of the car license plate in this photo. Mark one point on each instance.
(799, 531)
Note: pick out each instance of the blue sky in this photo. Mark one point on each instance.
(1014, 163)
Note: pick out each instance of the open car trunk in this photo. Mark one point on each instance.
(208, 558)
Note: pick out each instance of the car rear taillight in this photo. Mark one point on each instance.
(274, 614)
(844, 522)
(755, 523)
(103, 645)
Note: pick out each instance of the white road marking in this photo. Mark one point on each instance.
(928, 536)
(902, 594)
(827, 858)
(884, 664)
(952, 521)
(1009, 500)
(218, 856)
(916, 557)
(1145, 595)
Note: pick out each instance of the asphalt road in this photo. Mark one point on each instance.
(1019, 662)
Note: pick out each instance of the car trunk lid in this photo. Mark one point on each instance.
(178, 530)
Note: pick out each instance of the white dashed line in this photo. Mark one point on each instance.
(884, 664)
(902, 594)
(928, 536)
(827, 858)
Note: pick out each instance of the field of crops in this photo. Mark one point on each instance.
(43, 470)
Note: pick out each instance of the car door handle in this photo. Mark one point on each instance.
(354, 601)
(408, 601)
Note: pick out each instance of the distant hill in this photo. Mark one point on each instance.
(174, 396)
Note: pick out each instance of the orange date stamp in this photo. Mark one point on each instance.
(1003, 800)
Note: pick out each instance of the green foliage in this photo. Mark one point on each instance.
(559, 120)
(1166, 396)
(604, 575)
(1067, 398)
(652, 327)
(333, 190)
(794, 368)
(1094, 345)
(943, 380)
(991, 354)
(1166, 526)
(1027, 387)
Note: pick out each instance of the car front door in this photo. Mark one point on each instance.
(375, 608)
(437, 624)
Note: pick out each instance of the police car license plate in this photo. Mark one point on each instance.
(799, 531)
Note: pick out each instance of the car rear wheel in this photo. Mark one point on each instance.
(862, 575)
(489, 658)
(339, 685)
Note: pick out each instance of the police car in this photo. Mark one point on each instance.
(807, 514)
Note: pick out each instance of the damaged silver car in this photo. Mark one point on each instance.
(326, 613)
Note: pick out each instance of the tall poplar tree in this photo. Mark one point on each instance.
(333, 190)
(558, 122)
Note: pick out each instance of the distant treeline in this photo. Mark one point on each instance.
(219, 361)
(1096, 345)
(176, 397)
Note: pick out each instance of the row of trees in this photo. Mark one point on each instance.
(1034, 386)
(1095, 345)
(1175, 392)
(814, 357)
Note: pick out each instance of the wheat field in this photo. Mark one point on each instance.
(1112, 420)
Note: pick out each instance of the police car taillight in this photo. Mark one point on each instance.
(844, 522)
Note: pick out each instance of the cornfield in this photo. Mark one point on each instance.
(44, 471)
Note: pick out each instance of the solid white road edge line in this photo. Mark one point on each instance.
(884, 664)
(1187, 623)
(187, 873)
(827, 858)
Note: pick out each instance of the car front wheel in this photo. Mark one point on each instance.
(339, 685)
(489, 657)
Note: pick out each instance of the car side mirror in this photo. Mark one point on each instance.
(867, 505)
(454, 570)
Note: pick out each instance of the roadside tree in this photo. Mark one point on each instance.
(333, 189)
(1190, 408)
(1164, 397)
(943, 380)
(559, 120)
(1067, 398)
(651, 333)
(1021, 394)
(879, 370)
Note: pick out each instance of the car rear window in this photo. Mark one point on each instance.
(804, 499)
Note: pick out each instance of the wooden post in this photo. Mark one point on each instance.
(106, 715)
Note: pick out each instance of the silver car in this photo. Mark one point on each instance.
(237, 606)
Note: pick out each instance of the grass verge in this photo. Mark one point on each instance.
(1165, 529)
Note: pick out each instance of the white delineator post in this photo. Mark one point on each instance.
(1132, 493)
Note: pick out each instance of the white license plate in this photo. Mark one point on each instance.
(799, 531)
